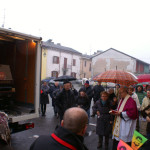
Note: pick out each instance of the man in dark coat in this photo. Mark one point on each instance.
(97, 89)
(68, 136)
(52, 90)
(89, 92)
(65, 99)
(44, 97)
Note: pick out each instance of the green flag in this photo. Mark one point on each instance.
(138, 140)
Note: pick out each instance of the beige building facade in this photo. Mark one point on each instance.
(85, 66)
(113, 59)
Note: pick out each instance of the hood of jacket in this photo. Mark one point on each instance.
(138, 86)
(69, 137)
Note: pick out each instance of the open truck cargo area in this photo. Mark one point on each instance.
(20, 69)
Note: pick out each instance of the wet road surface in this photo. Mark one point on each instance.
(46, 125)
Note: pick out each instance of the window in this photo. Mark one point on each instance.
(90, 67)
(84, 75)
(73, 74)
(85, 64)
(54, 74)
(74, 62)
(55, 60)
(65, 63)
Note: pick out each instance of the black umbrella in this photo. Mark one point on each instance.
(65, 78)
(48, 79)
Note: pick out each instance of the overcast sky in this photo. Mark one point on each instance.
(84, 25)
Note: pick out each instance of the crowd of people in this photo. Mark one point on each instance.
(118, 111)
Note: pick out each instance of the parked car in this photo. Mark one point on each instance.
(84, 80)
(111, 85)
(108, 85)
(78, 81)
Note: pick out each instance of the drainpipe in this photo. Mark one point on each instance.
(59, 61)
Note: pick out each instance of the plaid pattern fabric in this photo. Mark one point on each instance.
(116, 76)
(4, 128)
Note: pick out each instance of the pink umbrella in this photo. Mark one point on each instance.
(116, 76)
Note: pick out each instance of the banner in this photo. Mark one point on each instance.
(138, 140)
(123, 146)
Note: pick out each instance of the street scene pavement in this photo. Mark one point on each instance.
(46, 125)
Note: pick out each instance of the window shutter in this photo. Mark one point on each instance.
(85, 63)
(74, 62)
(73, 74)
(57, 73)
(57, 60)
(52, 74)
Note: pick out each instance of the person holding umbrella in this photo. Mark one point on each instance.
(52, 90)
(44, 97)
(65, 99)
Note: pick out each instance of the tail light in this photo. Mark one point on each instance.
(29, 126)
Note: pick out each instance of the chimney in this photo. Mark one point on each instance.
(59, 44)
(49, 41)
(99, 51)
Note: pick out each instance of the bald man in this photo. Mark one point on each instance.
(67, 136)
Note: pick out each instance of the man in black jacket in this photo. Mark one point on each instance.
(68, 136)
(65, 99)
(89, 92)
(97, 89)
(52, 90)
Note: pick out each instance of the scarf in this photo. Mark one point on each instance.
(103, 102)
